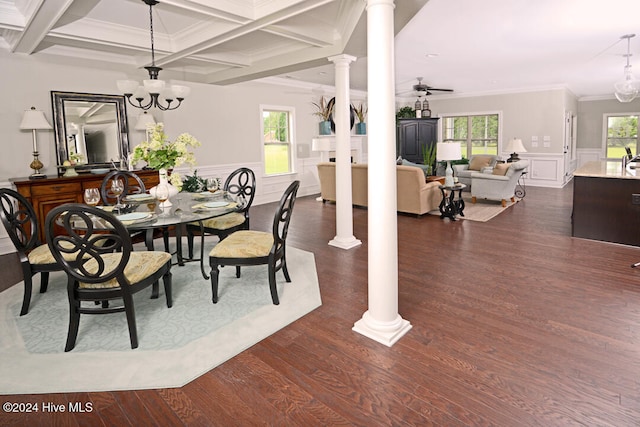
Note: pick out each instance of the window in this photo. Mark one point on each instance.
(477, 134)
(622, 131)
(277, 140)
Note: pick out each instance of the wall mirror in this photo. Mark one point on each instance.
(90, 125)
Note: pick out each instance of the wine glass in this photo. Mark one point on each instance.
(212, 184)
(92, 196)
(162, 194)
(117, 187)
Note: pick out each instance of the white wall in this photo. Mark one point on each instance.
(524, 115)
(226, 119)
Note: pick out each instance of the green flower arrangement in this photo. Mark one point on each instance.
(160, 153)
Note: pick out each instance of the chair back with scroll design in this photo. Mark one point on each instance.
(105, 267)
(20, 222)
(241, 184)
(108, 198)
(249, 247)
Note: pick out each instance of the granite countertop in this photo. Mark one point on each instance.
(607, 169)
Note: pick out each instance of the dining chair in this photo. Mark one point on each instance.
(104, 267)
(20, 221)
(110, 199)
(249, 247)
(241, 185)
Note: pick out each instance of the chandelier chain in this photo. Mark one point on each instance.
(153, 52)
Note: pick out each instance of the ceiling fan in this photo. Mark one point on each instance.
(423, 89)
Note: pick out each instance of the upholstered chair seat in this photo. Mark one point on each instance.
(140, 266)
(224, 222)
(244, 244)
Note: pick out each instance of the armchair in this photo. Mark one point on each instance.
(497, 187)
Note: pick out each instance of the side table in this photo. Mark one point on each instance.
(450, 206)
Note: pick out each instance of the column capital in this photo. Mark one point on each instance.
(342, 59)
(380, 3)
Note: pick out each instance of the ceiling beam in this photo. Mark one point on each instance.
(45, 16)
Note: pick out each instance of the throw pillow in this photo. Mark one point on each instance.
(501, 168)
(479, 162)
(417, 165)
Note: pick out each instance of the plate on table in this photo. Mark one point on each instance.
(133, 216)
(139, 197)
(215, 204)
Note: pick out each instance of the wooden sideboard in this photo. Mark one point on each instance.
(46, 194)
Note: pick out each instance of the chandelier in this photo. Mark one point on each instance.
(158, 94)
(627, 89)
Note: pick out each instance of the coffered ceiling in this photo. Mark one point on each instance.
(471, 46)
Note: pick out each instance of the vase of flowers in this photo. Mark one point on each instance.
(163, 155)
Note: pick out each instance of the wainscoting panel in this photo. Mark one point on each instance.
(545, 170)
(588, 155)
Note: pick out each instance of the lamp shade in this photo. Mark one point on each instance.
(515, 146)
(34, 119)
(320, 144)
(144, 120)
(448, 151)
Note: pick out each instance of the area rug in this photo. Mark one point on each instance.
(176, 345)
(482, 210)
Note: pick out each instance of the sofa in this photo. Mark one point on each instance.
(477, 163)
(495, 185)
(415, 196)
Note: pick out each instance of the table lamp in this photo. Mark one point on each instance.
(514, 146)
(447, 151)
(144, 121)
(323, 145)
(34, 120)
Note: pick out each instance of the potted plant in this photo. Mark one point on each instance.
(361, 114)
(406, 113)
(429, 157)
(324, 111)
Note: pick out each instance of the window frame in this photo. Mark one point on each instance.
(291, 143)
(469, 138)
(605, 134)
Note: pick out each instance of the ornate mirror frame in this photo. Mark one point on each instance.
(58, 100)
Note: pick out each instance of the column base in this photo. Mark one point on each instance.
(345, 243)
(384, 333)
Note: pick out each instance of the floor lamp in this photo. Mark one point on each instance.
(447, 151)
(34, 120)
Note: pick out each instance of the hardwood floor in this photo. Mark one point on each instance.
(515, 323)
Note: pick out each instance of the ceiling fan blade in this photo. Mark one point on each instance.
(440, 90)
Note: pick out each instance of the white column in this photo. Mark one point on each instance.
(344, 204)
(381, 322)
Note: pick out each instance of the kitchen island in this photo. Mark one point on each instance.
(606, 203)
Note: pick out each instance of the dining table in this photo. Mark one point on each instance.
(142, 212)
